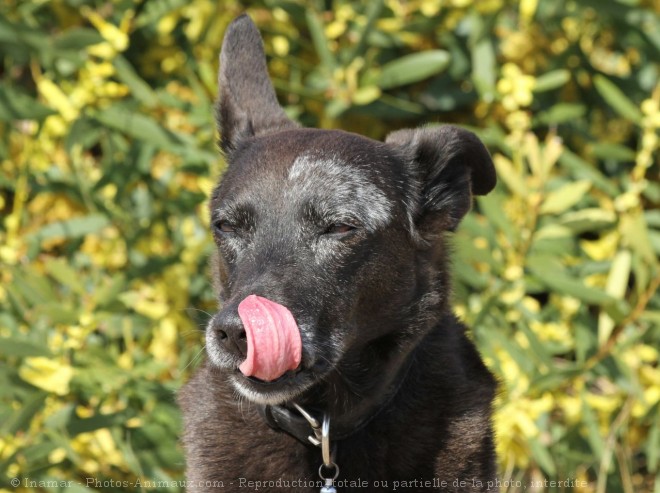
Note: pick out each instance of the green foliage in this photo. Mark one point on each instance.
(108, 155)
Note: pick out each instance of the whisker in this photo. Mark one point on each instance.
(194, 358)
(189, 332)
(192, 308)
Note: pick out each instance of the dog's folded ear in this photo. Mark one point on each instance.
(247, 104)
(450, 164)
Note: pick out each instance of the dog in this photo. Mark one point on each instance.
(335, 361)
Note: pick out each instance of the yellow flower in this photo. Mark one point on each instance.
(10, 444)
(518, 121)
(57, 455)
(515, 424)
(651, 108)
(147, 300)
(603, 248)
(528, 9)
(102, 50)
(517, 382)
(117, 37)
(332, 31)
(430, 8)
(163, 345)
(151, 309)
(106, 248)
(515, 87)
(167, 23)
(47, 374)
(571, 406)
(514, 294)
(281, 46)
(57, 99)
(531, 304)
(605, 404)
(98, 449)
(553, 331)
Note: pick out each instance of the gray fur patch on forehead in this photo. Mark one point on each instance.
(344, 190)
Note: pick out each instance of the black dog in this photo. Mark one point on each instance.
(332, 269)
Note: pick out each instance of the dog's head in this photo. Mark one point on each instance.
(340, 237)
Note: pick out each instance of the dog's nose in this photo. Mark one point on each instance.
(230, 332)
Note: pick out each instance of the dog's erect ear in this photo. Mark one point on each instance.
(451, 164)
(247, 103)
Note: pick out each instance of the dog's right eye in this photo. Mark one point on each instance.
(224, 227)
(339, 229)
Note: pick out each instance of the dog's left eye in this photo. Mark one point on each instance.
(224, 227)
(339, 228)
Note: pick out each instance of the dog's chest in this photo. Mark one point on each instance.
(274, 462)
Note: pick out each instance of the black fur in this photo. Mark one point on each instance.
(347, 233)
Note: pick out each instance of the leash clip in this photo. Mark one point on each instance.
(314, 423)
(328, 470)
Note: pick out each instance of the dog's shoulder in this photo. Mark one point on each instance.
(226, 441)
(454, 358)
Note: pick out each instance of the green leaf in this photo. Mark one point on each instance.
(65, 274)
(590, 219)
(138, 87)
(653, 445)
(617, 283)
(21, 418)
(585, 170)
(483, 57)
(617, 99)
(84, 425)
(76, 227)
(109, 290)
(38, 453)
(540, 350)
(57, 313)
(565, 197)
(561, 113)
(552, 80)
(550, 272)
(320, 41)
(34, 289)
(83, 134)
(336, 107)
(388, 106)
(492, 206)
(636, 236)
(543, 457)
(15, 104)
(513, 180)
(366, 95)
(19, 38)
(374, 8)
(137, 125)
(413, 68)
(616, 152)
(593, 432)
(21, 348)
(77, 39)
(553, 380)
(155, 10)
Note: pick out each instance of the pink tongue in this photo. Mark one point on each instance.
(273, 339)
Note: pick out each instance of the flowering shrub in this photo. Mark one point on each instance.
(108, 156)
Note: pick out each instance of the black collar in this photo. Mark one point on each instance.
(290, 421)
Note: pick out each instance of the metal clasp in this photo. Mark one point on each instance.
(314, 423)
(321, 436)
(328, 471)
